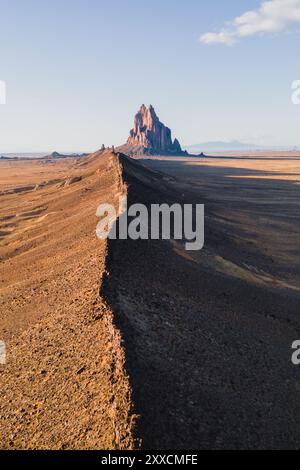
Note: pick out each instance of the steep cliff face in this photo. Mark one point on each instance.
(149, 135)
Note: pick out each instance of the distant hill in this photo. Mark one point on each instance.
(18, 156)
(36, 155)
(222, 146)
(67, 155)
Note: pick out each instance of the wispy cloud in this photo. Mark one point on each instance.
(272, 16)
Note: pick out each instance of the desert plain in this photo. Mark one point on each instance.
(123, 344)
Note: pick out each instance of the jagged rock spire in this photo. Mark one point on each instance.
(151, 134)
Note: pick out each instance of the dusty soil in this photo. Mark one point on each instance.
(255, 202)
(64, 385)
(198, 344)
(208, 335)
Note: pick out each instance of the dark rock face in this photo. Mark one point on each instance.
(150, 136)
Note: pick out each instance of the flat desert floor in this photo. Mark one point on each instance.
(208, 334)
(257, 201)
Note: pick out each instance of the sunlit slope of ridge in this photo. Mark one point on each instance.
(64, 385)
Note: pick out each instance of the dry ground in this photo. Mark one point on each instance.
(208, 334)
(64, 385)
(256, 201)
(205, 336)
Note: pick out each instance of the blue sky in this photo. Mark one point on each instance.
(77, 71)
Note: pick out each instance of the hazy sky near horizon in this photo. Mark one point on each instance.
(77, 71)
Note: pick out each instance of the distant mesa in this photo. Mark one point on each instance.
(57, 155)
(149, 136)
(223, 147)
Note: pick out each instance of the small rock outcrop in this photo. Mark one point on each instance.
(149, 136)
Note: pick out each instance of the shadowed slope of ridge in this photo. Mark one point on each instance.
(64, 385)
(208, 354)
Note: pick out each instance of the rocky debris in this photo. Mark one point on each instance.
(150, 136)
(64, 385)
(72, 180)
(66, 182)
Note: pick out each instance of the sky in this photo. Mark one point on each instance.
(76, 71)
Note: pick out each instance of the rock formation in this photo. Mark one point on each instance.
(150, 136)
